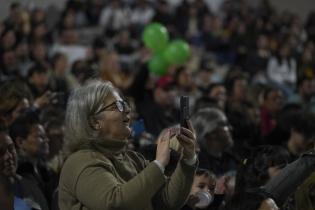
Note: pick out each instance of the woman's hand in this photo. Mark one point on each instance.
(44, 99)
(163, 148)
(187, 139)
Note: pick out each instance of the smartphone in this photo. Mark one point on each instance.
(184, 111)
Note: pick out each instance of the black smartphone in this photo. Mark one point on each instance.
(184, 111)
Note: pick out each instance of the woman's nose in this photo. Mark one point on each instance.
(127, 109)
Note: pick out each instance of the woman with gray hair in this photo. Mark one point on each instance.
(100, 174)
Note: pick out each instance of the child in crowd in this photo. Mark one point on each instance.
(205, 192)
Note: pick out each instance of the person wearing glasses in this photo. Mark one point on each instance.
(100, 174)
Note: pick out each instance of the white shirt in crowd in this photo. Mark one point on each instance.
(281, 72)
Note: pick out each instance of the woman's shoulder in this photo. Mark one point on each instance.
(78, 161)
(138, 158)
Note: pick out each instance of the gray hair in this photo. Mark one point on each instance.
(205, 121)
(83, 103)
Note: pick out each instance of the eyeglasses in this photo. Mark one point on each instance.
(121, 106)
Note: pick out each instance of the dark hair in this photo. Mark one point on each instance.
(22, 125)
(55, 58)
(230, 82)
(204, 172)
(178, 71)
(304, 123)
(254, 171)
(14, 5)
(37, 68)
(205, 102)
(98, 43)
(214, 85)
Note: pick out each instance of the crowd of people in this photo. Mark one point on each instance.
(251, 86)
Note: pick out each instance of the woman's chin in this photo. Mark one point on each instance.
(125, 133)
(128, 132)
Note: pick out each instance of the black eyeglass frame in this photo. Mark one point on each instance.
(121, 105)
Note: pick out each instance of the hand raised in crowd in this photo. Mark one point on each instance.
(163, 148)
(44, 99)
(187, 139)
(222, 185)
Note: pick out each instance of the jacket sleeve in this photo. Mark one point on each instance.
(98, 189)
(281, 186)
(175, 192)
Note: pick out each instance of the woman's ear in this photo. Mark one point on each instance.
(94, 123)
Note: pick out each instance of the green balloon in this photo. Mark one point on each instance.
(158, 65)
(177, 52)
(155, 37)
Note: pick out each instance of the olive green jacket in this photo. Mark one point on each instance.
(91, 181)
(305, 195)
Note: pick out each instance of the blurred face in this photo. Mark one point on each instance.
(185, 80)
(124, 37)
(9, 59)
(262, 42)
(165, 97)
(22, 50)
(204, 78)
(69, 20)
(219, 93)
(254, 114)
(8, 157)
(114, 119)
(39, 51)
(203, 183)
(40, 31)
(284, 51)
(61, 64)
(8, 40)
(36, 143)
(274, 101)
(39, 16)
(307, 88)
(268, 204)
(224, 137)
(40, 79)
(297, 143)
(240, 89)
